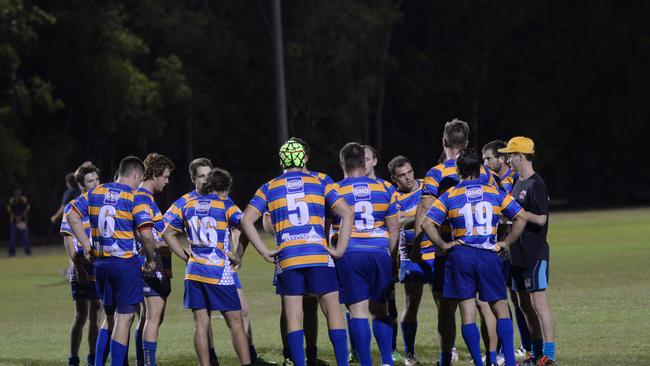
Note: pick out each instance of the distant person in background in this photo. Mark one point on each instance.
(18, 207)
(70, 193)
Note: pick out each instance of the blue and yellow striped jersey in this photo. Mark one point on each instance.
(114, 215)
(322, 176)
(66, 230)
(297, 202)
(444, 176)
(508, 180)
(163, 262)
(474, 209)
(206, 221)
(407, 203)
(372, 202)
(176, 206)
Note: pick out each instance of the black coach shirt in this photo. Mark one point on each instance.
(532, 195)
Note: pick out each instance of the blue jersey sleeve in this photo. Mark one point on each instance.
(509, 207)
(174, 218)
(142, 215)
(438, 211)
(260, 200)
(65, 227)
(233, 214)
(80, 204)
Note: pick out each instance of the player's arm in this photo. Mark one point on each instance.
(342, 210)
(393, 225)
(251, 215)
(518, 226)
(57, 214)
(149, 245)
(77, 261)
(425, 204)
(406, 221)
(267, 223)
(171, 236)
(539, 220)
(431, 229)
(74, 220)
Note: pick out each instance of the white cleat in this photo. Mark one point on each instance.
(454, 354)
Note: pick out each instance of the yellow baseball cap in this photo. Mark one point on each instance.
(519, 144)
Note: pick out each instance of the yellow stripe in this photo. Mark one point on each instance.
(306, 259)
(313, 220)
(294, 243)
(207, 262)
(212, 281)
(428, 256)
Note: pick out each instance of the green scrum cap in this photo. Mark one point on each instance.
(292, 155)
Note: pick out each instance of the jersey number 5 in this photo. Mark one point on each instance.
(301, 217)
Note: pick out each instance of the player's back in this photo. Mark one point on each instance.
(206, 220)
(296, 202)
(474, 210)
(113, 219)
(444, 176)
(372, 203)
(407, 204)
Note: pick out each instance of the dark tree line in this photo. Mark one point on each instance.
(97, 80)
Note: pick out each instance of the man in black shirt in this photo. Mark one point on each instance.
(530, 254)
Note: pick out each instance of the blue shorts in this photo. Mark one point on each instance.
(119, 282)
(307, 281)
(531, 279)
(201, 295)
(152, 286)
(84, 292)
(470, 270)
(438, 281)
(421, 272)
(364, 276)
(235, 277)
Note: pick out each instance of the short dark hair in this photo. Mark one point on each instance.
(468, 163)
(375, 153)
(305, 145)
(456, 134)
(494, 146)
(352, 156)
(529, 157)
(85, 168)
(196, 163)
(129, 165)
(155, 165)
(219, 180)
(397, 162)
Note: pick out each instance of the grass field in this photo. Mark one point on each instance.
(600, 294)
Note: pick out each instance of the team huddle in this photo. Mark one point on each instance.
(474, 229)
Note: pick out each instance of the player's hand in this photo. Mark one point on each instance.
(270, 255)
(448, 245)
(502, 247)
(333, 253)
(150, 265)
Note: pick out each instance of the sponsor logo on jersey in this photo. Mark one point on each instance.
(111, 197)
(361, 192)
(474, 193)
(311, 237)
(295, 185)
(202, 207)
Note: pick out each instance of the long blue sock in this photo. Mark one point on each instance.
(409, 329)
(102, 347)
(118, 353)
(472, 338)
(339, 339)
(507, 336)
(139, 354)
(90, 359)
(149, 350)
(394, 337)
(490, 358)
(253, 352)
(445, 359)
(360, 332)
(538, 348)
(296, 340)
(353, 346)
(383, 331)
(214, 360)
(73, 361)
(549, 350)
(524, 333)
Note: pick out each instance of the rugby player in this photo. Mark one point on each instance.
(296, 201)
(473, 208)
(115, 215)
(309, 302)
(156, 284)
(209, 281)
(371, 156)
(199, 169)
(365, 271)
(81, 274)
(413, 274)
(530, 254)
(436, 182)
